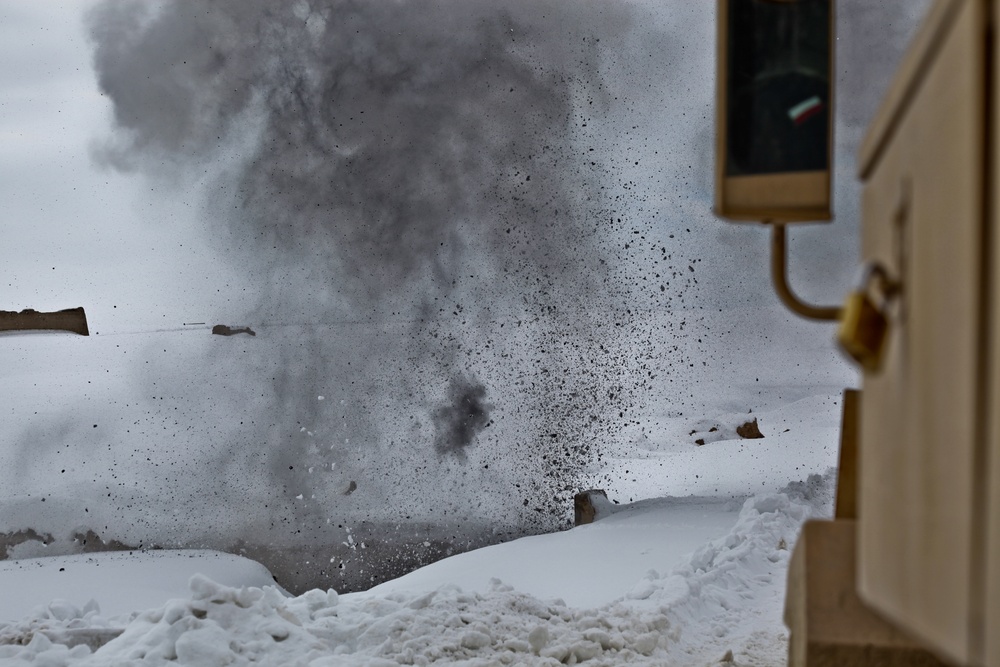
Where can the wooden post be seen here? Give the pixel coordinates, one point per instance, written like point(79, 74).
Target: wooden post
point(73, 320)
point(847, 478)
point(829, 624)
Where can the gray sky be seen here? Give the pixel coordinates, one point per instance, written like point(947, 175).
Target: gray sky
point(135, 251)
point(130, 249)
point(75, 234)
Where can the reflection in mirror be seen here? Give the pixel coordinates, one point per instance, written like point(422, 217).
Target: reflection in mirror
point(778, 87)
point(774, 100)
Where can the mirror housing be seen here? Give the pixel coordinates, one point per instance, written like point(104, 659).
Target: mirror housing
point(774, 110)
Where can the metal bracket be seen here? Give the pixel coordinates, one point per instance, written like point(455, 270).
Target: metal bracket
point(779, 275)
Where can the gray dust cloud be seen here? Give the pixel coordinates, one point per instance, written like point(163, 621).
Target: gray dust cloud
point(482, 239)
point(462, 418)
point(414, 188)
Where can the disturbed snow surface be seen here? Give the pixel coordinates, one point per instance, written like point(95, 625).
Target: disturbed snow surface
point(727, 595)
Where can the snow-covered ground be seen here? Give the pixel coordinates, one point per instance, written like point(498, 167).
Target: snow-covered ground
point(635, 364)
point(661, 581)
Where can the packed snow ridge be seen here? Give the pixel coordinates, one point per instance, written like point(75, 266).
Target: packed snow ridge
point(725, 596)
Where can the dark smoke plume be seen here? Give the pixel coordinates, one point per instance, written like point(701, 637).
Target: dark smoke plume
point(380, 129)
point(415, 186)
point(462, 418)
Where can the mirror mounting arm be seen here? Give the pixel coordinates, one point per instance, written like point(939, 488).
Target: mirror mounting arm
point(779, 275)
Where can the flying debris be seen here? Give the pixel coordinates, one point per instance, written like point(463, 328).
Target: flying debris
point(223, 330)
point(462, 418)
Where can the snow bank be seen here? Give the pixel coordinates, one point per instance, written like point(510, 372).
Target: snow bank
point(587, 566)
point(118, 582)
point(726, 596)
point(730, 595)
point(222, 625)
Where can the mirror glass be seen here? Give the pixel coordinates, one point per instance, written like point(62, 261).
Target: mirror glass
point(778, 90)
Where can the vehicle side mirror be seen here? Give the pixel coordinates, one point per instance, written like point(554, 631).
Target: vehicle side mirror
point(774, 110)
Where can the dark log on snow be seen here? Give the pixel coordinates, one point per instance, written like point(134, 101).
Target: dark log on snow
point(223, 330)
point(72, 319)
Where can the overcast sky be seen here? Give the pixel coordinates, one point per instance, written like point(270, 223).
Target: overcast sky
point(73, 233)
point(181, 415)
point(131, 251)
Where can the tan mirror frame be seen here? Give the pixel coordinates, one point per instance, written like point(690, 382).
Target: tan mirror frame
point(779, 197)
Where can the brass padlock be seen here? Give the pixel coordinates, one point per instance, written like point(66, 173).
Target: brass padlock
point(864, 326)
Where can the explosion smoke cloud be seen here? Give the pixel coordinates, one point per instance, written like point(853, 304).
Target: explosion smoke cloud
point(417, 171)
point(383, 128)
point(398, 249)
point(458, 422)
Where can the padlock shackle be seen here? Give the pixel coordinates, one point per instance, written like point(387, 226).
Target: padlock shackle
point(874, 273)
point(779, 275)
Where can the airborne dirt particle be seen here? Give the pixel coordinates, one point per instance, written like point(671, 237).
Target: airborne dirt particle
point(462, 418)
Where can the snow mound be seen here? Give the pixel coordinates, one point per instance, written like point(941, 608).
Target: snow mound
point(730, 595)
point(726, 597)
point(222, 625)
